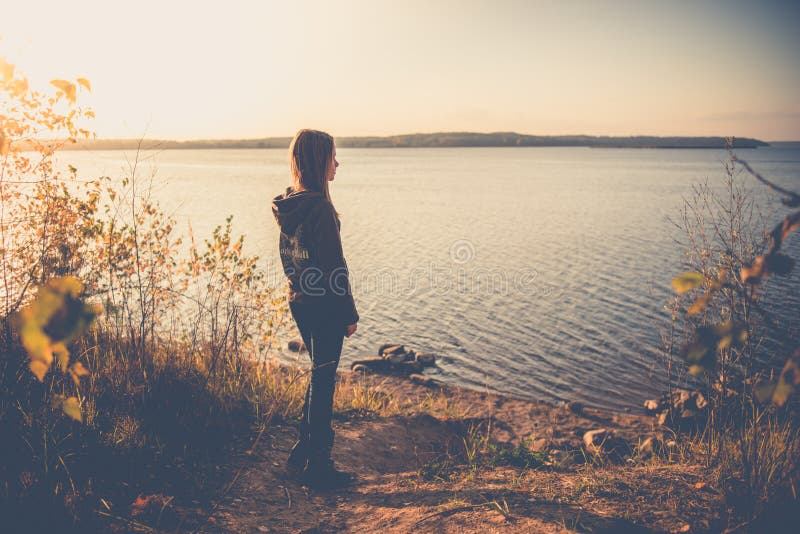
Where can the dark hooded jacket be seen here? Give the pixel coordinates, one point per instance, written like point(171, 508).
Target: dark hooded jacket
point(312, 257)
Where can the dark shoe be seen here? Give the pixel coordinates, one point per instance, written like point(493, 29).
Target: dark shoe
point(298, 457)
point(324, 475)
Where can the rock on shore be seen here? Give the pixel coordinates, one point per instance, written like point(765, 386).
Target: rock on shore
point(678, 409)
point(396, 359)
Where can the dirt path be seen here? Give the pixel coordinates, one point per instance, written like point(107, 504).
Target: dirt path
point(404, 486)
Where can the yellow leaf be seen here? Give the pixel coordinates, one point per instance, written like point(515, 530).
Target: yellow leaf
point(36, 343)
point(67, 285)
point(55, 312)
point(85, 83)
point(66, 87)
point(765, 391)
point(696, 369)
point(788, 380)
point(5, 144)
point(722, 277)
point(742, 335)
point(687, 281)
point(754, 273)
point(6, 70)
point(789, 225)
point(19, 87)
point(61, 355)
point(72, 408)
point(39, 369)
point(77, 370)
point(700, 304)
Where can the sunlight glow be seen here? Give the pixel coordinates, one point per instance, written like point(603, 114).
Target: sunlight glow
point(253, 69)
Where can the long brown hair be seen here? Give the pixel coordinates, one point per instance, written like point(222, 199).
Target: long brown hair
point(310, 155)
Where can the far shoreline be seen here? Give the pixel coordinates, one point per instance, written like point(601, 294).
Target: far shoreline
point(436, 140)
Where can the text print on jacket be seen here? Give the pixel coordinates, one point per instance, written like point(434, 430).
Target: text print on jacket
point(311, 254)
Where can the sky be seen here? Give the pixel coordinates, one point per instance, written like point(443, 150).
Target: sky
point(249, 69)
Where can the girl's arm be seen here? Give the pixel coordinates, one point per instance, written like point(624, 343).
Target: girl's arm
point(330, 260)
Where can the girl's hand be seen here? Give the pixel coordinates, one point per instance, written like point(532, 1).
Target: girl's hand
point(351, 329)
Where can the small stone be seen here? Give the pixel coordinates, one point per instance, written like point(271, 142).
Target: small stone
point(392, 349)
point(297, 345)
point(594, 439)
point(649, 447)
point(679, 399)
point(426, 358)
point(395, 358)
point(574, 407)
point(374, 364)
point(361, 368)
point(410, 367)
point(385, 346)
point(539, 445)
point(651, 406)
point(700, 401)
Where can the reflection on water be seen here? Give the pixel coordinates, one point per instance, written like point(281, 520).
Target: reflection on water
point(540, 272)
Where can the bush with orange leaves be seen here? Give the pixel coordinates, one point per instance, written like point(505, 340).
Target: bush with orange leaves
point(108, 323)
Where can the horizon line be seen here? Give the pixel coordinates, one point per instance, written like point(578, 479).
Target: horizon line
point(439, 132)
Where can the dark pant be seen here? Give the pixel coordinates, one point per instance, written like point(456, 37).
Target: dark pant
point(324, 343)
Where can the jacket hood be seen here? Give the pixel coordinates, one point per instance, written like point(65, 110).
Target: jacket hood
point(292, 207)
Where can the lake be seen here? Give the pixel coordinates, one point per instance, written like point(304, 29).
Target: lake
point(539, 272)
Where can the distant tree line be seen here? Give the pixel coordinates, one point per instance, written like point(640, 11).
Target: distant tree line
point(442, 139)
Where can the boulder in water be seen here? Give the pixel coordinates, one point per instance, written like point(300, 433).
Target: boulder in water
point(360, 368)
point(390, 349)
point(426, 358)
point(409, 367)
point(373, 364)
point(396, 358)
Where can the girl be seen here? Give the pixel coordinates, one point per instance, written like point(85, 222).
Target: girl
point(320, 298)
